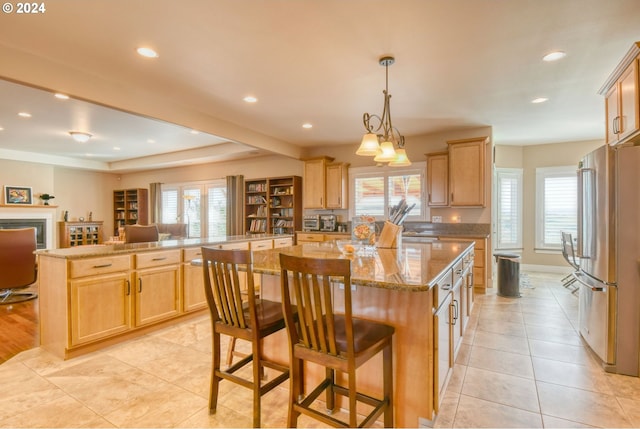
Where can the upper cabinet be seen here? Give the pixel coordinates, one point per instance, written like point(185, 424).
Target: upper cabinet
point(622, 105)
point(467, 172)
point(337, 185)
point(325, 184)
point(438, 179)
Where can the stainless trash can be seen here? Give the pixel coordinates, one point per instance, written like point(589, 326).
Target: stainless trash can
point(508, 274)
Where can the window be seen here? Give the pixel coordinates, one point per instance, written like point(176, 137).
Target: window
point(193, 202)
point(556, 205)
point(378, 188)
point(508, 208)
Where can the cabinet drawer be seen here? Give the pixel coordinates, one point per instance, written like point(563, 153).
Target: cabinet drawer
point(96, 266)
point(282, 242)
point(458, 270)
point(310, 237)
point(261, 244)
point(155, 259)
point(191, 253)
point(442, 287)
point(239, 245)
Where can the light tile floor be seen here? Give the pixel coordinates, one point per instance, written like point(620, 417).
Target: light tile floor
point(521, 364)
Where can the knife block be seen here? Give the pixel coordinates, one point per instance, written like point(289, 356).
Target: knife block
point(391, 236)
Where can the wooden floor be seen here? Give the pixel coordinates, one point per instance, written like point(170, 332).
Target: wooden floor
point(19, 328)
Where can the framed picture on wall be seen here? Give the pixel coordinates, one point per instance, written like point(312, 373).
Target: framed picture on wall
point(17, 195)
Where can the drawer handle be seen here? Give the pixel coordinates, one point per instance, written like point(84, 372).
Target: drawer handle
point(159, 259)
point(103, 265)
point(128, 288)
point(446, 287)
point(458, 272)
point(139, 285)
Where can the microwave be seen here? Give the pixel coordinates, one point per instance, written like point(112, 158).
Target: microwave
point(311, 223)
point(328, 222)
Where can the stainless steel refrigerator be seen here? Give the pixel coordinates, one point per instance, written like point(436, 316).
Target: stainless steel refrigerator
point(608, 248)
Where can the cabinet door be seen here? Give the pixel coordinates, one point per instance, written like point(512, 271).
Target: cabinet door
point(466, 173)
point(193, 288)
point(457, 307)
point(438, 179)
point(443, 332)
point(470, 295)
point(628, 122)
point(612, 107)
point(337, 186)
point(157, 294)
point(100, 307)
point(314, 184)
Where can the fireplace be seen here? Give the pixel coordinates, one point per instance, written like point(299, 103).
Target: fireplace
point(39, 217)
point(39, 224)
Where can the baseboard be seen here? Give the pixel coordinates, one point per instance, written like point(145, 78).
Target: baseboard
point(546, 268)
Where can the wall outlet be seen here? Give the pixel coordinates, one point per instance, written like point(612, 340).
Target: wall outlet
point(436, 219)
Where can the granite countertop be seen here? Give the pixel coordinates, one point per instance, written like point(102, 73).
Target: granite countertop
point(412, 267)
point(123, 248)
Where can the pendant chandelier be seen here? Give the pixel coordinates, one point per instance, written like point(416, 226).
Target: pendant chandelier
point(382, 140)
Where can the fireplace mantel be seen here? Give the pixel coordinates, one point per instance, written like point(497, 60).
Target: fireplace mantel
point(31, 211)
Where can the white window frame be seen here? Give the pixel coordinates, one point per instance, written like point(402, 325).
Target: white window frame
point(385, 172)
point(543, 173)
point(515, 209)
point(203, 187)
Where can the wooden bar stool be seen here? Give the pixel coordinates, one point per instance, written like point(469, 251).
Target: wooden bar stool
point(250, 319)
point(339, 342)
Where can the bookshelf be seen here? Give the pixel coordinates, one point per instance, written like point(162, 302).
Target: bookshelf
point(130, 207)
point(273, 205)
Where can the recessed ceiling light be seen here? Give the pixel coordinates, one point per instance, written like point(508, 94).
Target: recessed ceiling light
point(61, 96)
point(539, 100)
point(147, 52)
point(554, 56)
point(307, 126)
point(194, 132)
point(24, 115)
point(1, 129)
point(151, 141)
point(250, 99)
point(116, 148)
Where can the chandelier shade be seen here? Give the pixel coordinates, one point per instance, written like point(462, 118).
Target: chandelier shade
point(386, 154)
point(369, 145)
point(380, 128)
point(79, 136)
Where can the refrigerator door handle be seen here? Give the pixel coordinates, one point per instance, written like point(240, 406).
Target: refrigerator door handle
point(599, 287)
point(586, 207)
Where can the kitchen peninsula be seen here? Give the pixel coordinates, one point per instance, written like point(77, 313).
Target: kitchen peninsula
point(94, 296)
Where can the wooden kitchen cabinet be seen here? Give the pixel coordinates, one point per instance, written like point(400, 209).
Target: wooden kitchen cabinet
point(314, 195)
point(622, 100)
point(467, 172)
point(71, 234)
point(337, 186)
point(157, 286)
point(326, 184)
point(100, 298)
point(193, 296)
point(479, 259)
point(438, 179)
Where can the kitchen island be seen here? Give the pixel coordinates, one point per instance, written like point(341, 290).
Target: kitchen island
point(424, 290)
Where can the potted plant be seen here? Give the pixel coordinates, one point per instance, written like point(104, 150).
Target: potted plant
point(46, 198)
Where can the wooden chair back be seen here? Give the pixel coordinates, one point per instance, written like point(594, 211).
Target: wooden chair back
point(224, 286)
point(309, 282)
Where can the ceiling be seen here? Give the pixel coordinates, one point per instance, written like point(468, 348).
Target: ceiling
point(459, 63)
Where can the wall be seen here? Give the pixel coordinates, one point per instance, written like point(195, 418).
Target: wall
point(529, 158)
